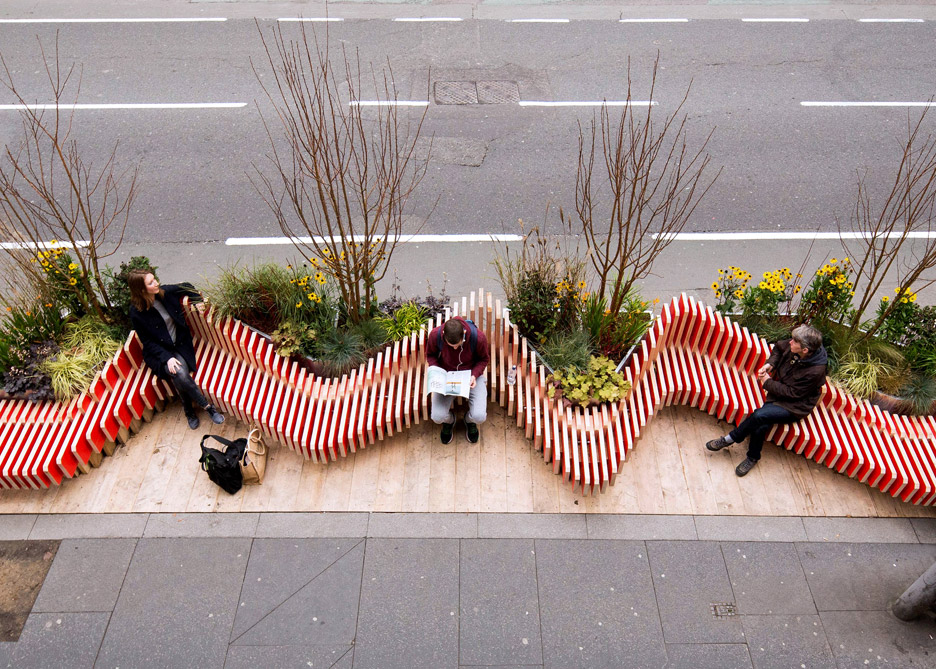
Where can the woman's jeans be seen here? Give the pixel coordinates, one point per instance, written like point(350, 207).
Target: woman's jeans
point(185, 386)
point(758, 424)
point(441, 411)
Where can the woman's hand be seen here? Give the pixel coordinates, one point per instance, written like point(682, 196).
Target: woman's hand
point(173, 366)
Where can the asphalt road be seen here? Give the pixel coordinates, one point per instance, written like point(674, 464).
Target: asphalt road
point(787, 167)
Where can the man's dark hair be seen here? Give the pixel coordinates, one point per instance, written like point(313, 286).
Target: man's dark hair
point(808, 337)
point(453, 332)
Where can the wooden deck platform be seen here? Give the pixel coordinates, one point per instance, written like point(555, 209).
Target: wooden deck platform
point(669, 472)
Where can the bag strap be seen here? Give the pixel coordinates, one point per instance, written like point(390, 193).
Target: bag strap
point(226, 442)
point(259, 440)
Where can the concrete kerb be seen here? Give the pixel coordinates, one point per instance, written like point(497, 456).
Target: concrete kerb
point(624, 527)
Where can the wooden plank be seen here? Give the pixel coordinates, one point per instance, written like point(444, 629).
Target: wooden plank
point(442, 477)
point(673, 484)
point(390, 475)
point(283, 475)
point(644, 459)
point(467, 473)
point(520, 459)
point(364, 478)
point(416, 473)
point(311, 486)
point(696, 463)
point(336, 492)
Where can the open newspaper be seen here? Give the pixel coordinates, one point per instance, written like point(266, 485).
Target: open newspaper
point(448, 383)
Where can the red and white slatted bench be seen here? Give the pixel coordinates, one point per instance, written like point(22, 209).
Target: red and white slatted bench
point(691, 356)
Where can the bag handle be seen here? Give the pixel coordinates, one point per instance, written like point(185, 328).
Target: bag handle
point(251, 440)
point(226, 442)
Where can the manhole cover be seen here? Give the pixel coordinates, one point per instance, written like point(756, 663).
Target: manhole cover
point(455, 93)
point(725, 610)
point(498, 92)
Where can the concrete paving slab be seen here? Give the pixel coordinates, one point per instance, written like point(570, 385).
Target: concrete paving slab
point(409, 604)
point(201, 525)
point(312, 525)
point(89, 526)
point(86, 575)
point(56, 640)
point(16, 526)
point(925, 529)
point(767, 578)
point(690, 578)
point(845, 577)
point(640, 527)
point(177, 603)
point(324, 609)
point(708, 656)
point(750, 528)
point(499, 615)
point(531, 526)
point(251, 657)
point(871, 530)
point(781, 642)
point(423, 525)
point(597, 604)
point(24, 566)
point(877, 639)
point(278, 569)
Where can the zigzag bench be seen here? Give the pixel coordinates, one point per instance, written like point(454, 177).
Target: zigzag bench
point(691, 356)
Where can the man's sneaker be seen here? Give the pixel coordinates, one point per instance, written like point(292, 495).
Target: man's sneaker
point(472, 432)
point(216, 416)
point(717, 444)
point(448, 431)
point(746, 465)
point(192, 419)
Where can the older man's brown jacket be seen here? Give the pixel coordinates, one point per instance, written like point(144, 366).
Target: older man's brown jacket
point(795, 384)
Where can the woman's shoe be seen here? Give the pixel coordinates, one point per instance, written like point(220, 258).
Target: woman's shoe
point(192, 419)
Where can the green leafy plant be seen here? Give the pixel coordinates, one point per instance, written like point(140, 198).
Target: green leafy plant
point(897, 319)
point(919, 394)
point(862, 375)
point(594, 385)
point(27, 380)
point(292, 338)
point(23, 326)
point(340, 351)
point(627, 326)
point(406, 319)
point(567, 350)
point(372, 333)
point(86, 345)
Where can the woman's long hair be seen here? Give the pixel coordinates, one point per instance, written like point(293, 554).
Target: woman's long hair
point(139, 296)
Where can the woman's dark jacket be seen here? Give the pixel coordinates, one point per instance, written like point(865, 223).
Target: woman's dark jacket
point(795, 384)
point(153, 333)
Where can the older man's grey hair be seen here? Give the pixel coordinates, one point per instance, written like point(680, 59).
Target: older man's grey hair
point(808, 337)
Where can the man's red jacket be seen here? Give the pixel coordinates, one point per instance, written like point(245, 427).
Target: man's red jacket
point(453, 360)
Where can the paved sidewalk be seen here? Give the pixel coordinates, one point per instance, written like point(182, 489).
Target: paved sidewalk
point(471, 590)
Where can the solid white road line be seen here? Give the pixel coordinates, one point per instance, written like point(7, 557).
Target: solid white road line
point(147, 20)
point(309, 19)
point(407, 239)
point(775, 20)
point(427, 19)
point(587, 103)
point(833, 103)
point(41, 245)
point(890, 20)
point(142, 105)
point(768, 236)
point(653, 20)
point(538, 21)
point(389, 103)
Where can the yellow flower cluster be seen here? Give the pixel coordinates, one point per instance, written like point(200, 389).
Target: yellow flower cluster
point(732, 281)
point(837, 274)
point(907, 296)
point(565, 287)
point(49, 261)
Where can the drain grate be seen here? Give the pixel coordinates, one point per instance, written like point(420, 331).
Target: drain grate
point(498, 92)
point(455, 93)
point(476, 92)
point(723, 611)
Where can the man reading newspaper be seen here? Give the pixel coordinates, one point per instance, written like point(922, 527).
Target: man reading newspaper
point(458, 345)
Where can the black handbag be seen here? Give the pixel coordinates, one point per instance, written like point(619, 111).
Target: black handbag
point(223, 467)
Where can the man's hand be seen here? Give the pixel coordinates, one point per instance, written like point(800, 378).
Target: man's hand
point(473, 379)
point(763, 373)
point(173, 365)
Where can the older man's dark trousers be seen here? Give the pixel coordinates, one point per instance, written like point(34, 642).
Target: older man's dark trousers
point(758, 424)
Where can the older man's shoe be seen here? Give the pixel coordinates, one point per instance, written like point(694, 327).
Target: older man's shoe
point(746, 465)
point(448, 432)
point(717, 444)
